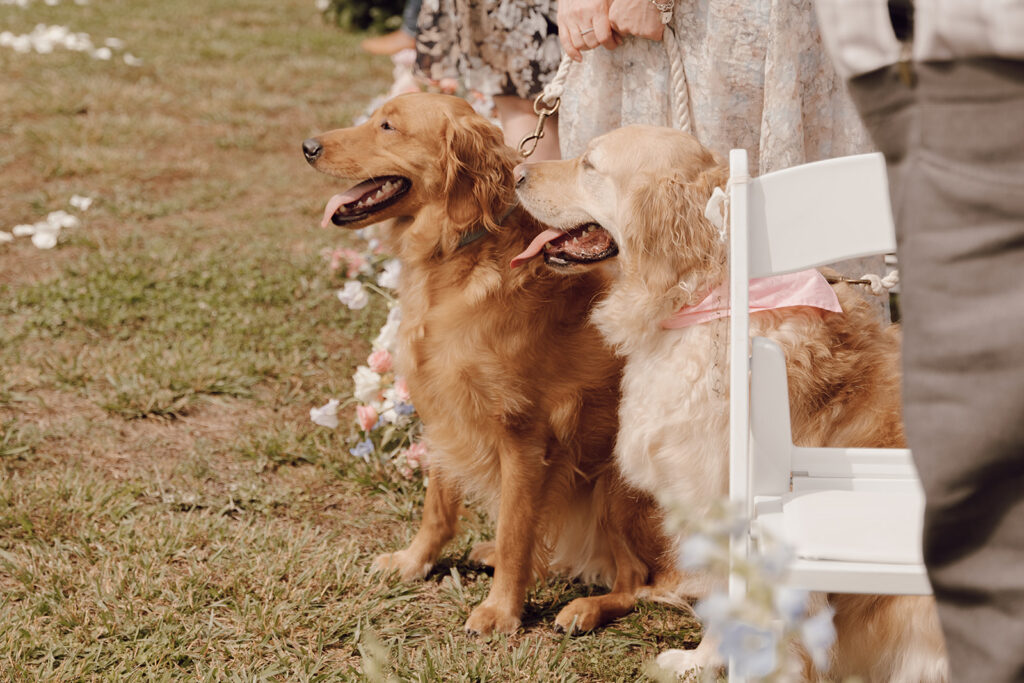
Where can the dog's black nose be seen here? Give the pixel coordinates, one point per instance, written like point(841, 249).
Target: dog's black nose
point(312, 149)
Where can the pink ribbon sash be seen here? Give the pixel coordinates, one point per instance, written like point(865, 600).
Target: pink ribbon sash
point(803, 288)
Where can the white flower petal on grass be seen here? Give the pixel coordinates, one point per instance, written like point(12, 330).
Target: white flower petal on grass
point(353, 295)
point(62, 219)
point(6, 236)
point(23, 230)
point(103, 53)
point(367, 384)
point(79, 202)
point(132, 60)
point(114, 43)
point(326, 415)
point(45, 239)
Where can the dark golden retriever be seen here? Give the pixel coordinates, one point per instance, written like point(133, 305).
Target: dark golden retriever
point(517, 392)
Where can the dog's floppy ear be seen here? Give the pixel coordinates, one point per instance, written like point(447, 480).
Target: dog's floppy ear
point(677, 245)
point(478, 173)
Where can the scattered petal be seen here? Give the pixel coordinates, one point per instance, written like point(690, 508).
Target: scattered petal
point(6, 236)
point(45, 239)
point(23, 230)
point(79, 202)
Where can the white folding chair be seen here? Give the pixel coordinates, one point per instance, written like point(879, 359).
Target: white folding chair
point(851, 515)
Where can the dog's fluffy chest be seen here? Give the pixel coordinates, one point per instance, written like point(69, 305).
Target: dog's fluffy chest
point(673, 434)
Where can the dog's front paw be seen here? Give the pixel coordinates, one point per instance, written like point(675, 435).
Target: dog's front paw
point(485, 553)
point(409, 568)
point(689, 663)
point(486, 619)
point(579, 615)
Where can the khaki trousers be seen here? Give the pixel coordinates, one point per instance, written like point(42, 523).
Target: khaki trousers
point(955, 146)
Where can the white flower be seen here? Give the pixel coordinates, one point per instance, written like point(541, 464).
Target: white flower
point(103, 53)
point(389, 277)
point(322, 5)
point(353, 295)
point(132, 60)
point(61, 219)
point(6, 236)
point(367, 384)
point(326, 415)
point(114, 43)
point(23, 230)
point(389, 332)
point(79, 202)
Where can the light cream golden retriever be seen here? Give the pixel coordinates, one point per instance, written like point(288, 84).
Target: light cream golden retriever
point(638, 194)
point(517, 392)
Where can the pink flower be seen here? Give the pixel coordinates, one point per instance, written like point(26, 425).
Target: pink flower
point(402, 390)
point(448, 85)
point(366, 416)
point(380, 361)
point(416, 455)
point(354, 261)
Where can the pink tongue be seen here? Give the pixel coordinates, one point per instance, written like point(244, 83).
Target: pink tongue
point(535, 246)
point(336, 202)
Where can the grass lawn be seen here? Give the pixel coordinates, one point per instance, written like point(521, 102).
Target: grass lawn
point(167, 509)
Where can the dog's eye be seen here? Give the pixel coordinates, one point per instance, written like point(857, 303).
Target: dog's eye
point(385, 125)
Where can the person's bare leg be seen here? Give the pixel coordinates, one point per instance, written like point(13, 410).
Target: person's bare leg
point(518, 121)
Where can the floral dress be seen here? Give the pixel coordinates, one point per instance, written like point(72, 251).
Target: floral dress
point(496, 48)
point(758, 78)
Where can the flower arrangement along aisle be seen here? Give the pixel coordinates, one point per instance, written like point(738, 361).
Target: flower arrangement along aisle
point(386, 425)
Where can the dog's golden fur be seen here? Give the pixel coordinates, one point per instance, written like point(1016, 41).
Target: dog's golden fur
point(517, 392)
point(648, 187)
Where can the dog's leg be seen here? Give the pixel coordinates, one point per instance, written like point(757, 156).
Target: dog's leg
point(522, 495)
point(440, 515)
point(585, 614)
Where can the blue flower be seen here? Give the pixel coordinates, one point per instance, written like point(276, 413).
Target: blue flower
point(405, 409)
point(790, 603)
point(818, 633)
point(753, 650)
point(363, 450)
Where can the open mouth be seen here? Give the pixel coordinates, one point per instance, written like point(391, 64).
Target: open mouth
point(365, 199)
point(588, 243)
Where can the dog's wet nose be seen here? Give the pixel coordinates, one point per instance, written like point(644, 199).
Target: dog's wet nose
point(519, 173)
point(312, 149)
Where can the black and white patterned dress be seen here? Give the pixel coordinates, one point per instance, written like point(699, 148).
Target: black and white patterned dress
point(508, 47)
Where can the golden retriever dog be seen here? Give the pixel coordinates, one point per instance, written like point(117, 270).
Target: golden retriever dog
point(517, 391)
point(633, 206)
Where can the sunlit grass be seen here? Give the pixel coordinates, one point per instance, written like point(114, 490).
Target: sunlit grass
point(167, 509)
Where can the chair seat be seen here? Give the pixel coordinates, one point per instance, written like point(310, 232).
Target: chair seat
point(847, 526)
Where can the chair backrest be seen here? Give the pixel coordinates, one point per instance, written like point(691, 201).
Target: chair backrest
point(786, 221)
